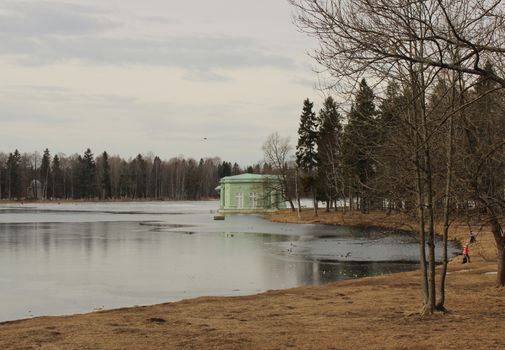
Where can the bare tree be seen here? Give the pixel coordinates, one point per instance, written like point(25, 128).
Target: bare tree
point(364, 34)
point(415, 42)
point(277, 152)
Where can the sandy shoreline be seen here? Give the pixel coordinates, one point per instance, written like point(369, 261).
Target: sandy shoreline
point(369, 313)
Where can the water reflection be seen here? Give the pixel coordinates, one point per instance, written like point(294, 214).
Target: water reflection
point(60, 262)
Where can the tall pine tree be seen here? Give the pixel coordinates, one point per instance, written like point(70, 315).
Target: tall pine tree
point(14, 189)
point(57, 179)
point(45, 169)
point(329, 178)
point(360, 138)
point(88, 179)
point(106, 180)
point(394, 136)
point(306, 149)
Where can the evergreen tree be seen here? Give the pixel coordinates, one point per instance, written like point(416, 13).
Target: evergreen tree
point(125, 182)
point(267, 169)
point(156, 174)
point(45, 168)
point(236, 169)
point(88, 179)
point(328, 147)
point(360, 138)
point(192, 183)
point(224, 169)
point(83, 176)
point(306, 152)
point(140, 176)
point(201, 180)
point(14, 189)
point(393, 138)
point(106, 180)
point(76, 177)
point(57, 177)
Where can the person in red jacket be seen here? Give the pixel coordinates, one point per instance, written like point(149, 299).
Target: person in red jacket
point(466, 257)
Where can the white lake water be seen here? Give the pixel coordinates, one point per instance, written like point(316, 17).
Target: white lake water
point(73, 258)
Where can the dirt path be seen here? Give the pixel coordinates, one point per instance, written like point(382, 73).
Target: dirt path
point(369, 313)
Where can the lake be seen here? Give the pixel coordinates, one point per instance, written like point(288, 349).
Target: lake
point(75, 258)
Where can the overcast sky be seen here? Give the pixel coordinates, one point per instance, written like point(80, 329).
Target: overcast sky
point(130, 76)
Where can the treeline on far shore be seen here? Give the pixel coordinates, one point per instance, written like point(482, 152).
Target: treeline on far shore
point(44, 176)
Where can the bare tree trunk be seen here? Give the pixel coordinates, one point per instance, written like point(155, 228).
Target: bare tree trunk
point(500, 279)
point(53, 183)
point(314, 198)
point(297, 194)
point(9, 188)
point(443, 273)
point(286, 192)
point(447, 202)
point(431, 220)
point(422, 237)
point(35, 190)
point(419, 85)
point(497, 231)
point(350, 197)
point(72, 184)
point(45, 184)
point(420, 197)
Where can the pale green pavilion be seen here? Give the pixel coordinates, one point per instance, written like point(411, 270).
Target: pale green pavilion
point(250, 193)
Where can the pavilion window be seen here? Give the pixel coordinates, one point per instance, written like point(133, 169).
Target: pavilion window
point(239, 199)
point(253, 198)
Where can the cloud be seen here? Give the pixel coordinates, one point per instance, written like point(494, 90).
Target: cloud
point(207, 76)
point(35, 19)
point(311, 83)
point(38, 33)
point(156, 19)
point(198, 54)
point(111, 122)
point(127, 79)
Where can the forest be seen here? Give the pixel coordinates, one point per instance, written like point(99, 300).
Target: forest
point(422, 85)
point(35, 176)
point(365, 158)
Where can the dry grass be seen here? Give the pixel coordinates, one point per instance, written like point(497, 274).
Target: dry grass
point(369, 313)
